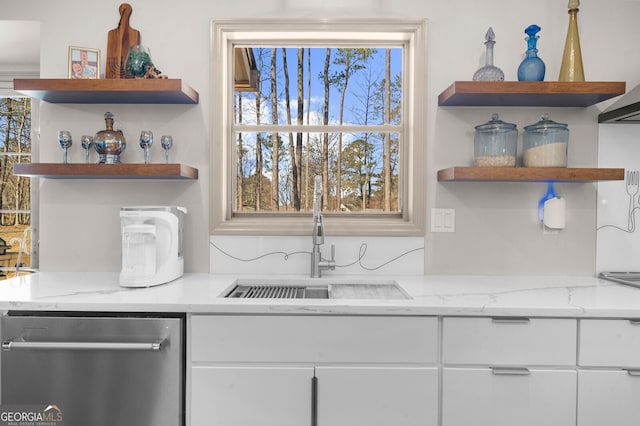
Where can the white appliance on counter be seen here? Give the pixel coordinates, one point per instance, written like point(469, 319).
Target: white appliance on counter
point(151, 245)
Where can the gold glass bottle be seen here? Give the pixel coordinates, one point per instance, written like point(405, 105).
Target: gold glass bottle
point(571, 68)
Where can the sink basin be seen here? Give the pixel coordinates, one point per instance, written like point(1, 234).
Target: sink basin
point(314, 289)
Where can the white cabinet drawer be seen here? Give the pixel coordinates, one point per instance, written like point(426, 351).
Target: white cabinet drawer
point(479, 397)
point(509, 341)
point(295, 338)
point(608, 397)
point(609, 343)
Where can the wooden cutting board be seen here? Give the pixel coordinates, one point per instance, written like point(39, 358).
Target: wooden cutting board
point(118, 42)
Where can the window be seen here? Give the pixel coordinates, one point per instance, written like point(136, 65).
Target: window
point(15, 191)
point(274, 128)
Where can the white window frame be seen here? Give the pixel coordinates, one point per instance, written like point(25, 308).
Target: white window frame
point(34, 189)
point(225, 35)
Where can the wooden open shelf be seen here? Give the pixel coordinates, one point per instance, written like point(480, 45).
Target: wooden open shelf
point(106, 171)
point(528, 174)
point(529, 93)
point(116, 91)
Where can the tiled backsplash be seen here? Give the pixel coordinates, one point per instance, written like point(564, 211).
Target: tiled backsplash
point(291, 255)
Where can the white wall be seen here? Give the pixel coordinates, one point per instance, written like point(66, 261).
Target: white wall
point(618, 242)
point(496, 227)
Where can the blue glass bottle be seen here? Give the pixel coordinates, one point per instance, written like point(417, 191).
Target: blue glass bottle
point(532, 68)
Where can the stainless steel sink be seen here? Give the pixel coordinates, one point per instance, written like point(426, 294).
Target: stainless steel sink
point(278, 291)
point(312, 289)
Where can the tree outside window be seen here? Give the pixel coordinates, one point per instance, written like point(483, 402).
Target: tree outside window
point(320, 87)
point(15, 191)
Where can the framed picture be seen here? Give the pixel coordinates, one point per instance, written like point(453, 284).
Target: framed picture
point(84, 62)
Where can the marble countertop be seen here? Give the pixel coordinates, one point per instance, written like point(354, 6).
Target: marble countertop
point(548, 296)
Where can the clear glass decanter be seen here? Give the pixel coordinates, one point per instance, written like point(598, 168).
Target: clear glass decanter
point(489, 72)
point(532, 68)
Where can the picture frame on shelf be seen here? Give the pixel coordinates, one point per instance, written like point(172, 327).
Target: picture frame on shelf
point(84, 63)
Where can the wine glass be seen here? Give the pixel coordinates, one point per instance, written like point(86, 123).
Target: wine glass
point(146, 140)
point(64, 139)
point(87, 142)
point(167, 142)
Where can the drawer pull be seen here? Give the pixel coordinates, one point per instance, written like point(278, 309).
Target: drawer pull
point(634, 373)
point(634, 321)
point(510, 371)
point(510, 320)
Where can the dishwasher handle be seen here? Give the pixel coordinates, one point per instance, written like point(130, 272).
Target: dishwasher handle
point(16, 345)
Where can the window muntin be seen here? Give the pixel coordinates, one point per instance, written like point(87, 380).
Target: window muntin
point(233, 211)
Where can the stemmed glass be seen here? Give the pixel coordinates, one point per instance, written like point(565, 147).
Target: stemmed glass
point(64, 139)
point(167, 142)
point(146, 140)
point(87, 142)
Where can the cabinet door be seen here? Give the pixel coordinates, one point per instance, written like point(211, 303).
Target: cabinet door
point(251, 396)
point(608, 398)
point(486, 397)
point(377, 396)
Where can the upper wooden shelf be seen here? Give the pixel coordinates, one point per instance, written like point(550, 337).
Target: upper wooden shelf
point(528, 174)
point(529, 93)
point(106, 171)
point(108, 91)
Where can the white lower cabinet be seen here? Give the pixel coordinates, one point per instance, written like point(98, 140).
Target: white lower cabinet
point(508, 397)
point(609, 372)
point(300, 370)
point(332, 370)
point(259, 396)
point(609, 343)
point(509, 371)
point(517, 341)
point(608, 397)
point(285, 396)
point(373, 396)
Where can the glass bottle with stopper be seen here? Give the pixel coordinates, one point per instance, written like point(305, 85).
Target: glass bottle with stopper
point(571, 68)
point(532, 68)
point(109, 143)
point(489, 72)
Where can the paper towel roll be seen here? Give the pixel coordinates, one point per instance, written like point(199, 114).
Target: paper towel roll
point(554, 213)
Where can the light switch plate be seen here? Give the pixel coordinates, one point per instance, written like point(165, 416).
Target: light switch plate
point(443, 220)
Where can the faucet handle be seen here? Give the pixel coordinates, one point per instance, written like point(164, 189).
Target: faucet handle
point(332, 262)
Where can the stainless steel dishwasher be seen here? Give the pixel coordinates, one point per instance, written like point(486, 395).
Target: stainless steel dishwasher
point(99, 370)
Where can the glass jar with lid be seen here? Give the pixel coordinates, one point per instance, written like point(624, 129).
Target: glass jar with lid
point(545, 144)
point(495, 143)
